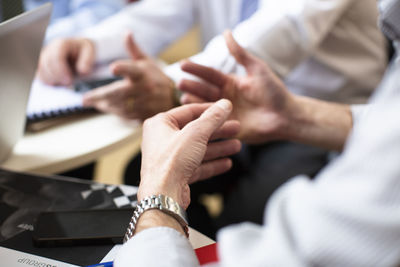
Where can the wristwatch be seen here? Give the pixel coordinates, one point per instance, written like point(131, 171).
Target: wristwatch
point(160, 202)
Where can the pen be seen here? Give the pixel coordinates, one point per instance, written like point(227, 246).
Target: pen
point(104, 264)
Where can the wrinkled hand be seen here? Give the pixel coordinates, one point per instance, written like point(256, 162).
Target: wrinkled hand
point(62, 59)
point(260, 100)
point(144, 91)
point(176, 148)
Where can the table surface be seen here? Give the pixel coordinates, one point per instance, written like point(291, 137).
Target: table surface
point(72, 144)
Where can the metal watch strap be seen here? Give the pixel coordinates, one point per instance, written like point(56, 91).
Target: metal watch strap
point(160, 202)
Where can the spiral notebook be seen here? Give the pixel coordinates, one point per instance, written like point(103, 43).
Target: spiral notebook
point(47, 102)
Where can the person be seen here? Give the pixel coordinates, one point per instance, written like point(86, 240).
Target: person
point(310, 43)
point(345, 217)
point(69, 17)
point(295, 39)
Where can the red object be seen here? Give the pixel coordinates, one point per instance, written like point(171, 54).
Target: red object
point(207, 254)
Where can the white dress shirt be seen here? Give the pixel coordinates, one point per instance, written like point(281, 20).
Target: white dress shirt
point(71, 16)
point(334, 43)
point(348, 216)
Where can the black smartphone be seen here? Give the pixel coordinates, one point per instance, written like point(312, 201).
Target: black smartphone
point(82, 227)
point(87, 85)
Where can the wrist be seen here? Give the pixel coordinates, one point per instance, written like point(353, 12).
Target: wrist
point(297, 119)
point(162, 203)
point(157, 218)
point(319, 123)
point(164, 188)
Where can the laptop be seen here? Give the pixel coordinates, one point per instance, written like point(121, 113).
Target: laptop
point(21, 40)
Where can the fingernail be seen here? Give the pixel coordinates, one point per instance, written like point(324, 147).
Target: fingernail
point(224, 104)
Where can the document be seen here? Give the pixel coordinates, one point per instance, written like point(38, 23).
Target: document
point(14, 258)
point(49, 101)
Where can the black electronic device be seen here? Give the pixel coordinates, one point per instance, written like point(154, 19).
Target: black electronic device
point(87, 85)
point(82, 227)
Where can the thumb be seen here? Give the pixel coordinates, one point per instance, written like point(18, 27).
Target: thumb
point(133, 49)
point(86, 57)
point(242, 56)
point(212, 119)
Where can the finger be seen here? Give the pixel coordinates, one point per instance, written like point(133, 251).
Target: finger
point(54, 64)
point(202, 90)
point(114, 92)
point(222, 149)
point(133, 49)
point(210, 169)
point(242, 56)
point(190, 99)
point(211, 120)
point(228, 130)
point(208, 74)
point(184, 114)
point(128, 69)
point(44, 72)
point(86, 57)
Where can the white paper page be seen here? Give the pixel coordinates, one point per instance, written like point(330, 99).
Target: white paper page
point(44, 98)
point(112, 254)
point(14, 258)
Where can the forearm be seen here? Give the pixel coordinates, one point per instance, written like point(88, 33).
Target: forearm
point(153, 28)
point(320, 123)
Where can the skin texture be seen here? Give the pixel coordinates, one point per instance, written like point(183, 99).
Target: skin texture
point(144, 91)
point(182, 146)
point(265, 108)
point(62, 60)
point(176, 149)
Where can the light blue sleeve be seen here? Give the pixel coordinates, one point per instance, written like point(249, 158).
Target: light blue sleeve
point(79, 15)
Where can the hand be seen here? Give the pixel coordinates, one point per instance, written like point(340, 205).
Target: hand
point(62, 59)
point(176, 149)
point(144, 91)
point(260, 100)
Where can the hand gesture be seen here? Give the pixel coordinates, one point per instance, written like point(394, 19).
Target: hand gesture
point(184, 145)
point(260, 100)
point(144, 91)
point(62, 59)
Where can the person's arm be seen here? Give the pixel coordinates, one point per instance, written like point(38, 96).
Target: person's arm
point(320, 123)
point(82, 14)
point(265, 108)
point(282, 33)
point(346, 216)
point(154, 23)
point(176, 151)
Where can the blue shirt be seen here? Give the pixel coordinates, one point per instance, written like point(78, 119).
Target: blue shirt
point(71, 16)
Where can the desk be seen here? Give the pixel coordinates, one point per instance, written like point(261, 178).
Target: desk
point(71, 145)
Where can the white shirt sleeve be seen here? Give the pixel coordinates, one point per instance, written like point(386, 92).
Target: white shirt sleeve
point(347, 217)
point(357, 112)
point(154, 24)
point(82, 14)
point(283, 33)
point(159, 246)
